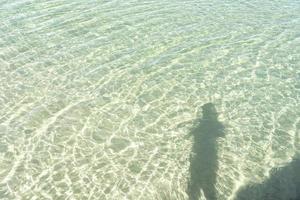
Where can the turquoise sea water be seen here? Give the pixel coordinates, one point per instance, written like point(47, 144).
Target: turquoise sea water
point(147, 100)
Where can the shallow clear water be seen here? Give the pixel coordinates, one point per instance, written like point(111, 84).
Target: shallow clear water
point(103, 99)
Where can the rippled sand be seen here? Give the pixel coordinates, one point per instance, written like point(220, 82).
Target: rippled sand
point(98, 98)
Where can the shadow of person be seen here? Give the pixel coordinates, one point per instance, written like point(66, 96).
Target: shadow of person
point(203, 159)
point(283, 184)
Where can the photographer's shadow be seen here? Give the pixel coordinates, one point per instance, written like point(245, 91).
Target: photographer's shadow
point(283, 184)
point(204, 159)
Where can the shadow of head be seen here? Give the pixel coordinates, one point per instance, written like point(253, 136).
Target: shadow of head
point(209, 112)
point(283, 184)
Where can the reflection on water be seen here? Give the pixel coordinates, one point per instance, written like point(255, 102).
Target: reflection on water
point(283, 184)
point(204, 160)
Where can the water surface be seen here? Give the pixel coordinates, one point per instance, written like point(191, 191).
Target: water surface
point(98, 99)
